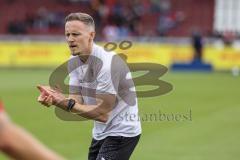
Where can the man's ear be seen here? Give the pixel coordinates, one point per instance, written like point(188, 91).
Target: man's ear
point(92, 35)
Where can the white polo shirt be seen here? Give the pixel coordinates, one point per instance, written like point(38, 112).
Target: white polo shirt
point(105, 73)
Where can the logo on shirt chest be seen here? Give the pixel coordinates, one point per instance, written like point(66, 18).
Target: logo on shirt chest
point(87, 84)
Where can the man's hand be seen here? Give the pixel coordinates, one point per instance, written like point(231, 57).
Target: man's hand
point(51, 96)
point(99, 112)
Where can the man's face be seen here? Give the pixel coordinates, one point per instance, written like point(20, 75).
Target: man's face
point(79, 37)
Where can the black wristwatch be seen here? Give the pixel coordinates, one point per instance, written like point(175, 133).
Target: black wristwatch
point(71, 103)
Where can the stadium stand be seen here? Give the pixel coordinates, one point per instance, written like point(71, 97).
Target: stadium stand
point(132, 18)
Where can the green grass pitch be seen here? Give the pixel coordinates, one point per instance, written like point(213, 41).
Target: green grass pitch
point(212, 133)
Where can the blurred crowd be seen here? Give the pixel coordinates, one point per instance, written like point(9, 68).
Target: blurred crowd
point(115, 19)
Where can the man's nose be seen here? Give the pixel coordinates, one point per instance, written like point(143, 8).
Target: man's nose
point(70, 38)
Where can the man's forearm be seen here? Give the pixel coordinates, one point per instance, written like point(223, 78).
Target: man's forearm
point(99, 112)
point(94, 112)
point(19, 144)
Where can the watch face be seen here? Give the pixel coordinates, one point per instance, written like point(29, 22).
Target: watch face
point(71, 103)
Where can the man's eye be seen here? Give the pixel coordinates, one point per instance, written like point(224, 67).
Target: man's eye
point(75, 34)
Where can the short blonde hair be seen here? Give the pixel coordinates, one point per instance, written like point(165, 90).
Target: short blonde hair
point(83, 17)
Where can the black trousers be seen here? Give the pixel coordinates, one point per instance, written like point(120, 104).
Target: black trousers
point(112, 148)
